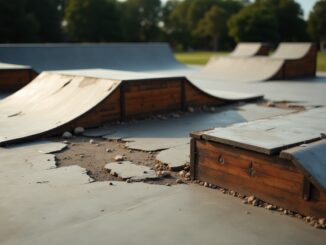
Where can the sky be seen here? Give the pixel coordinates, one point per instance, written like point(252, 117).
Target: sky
point(306, 5)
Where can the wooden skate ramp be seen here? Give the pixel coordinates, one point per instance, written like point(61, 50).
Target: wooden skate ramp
point(59, 101)
point(245, 50)
point(290, 60)
point(280, 160)
point(255, 69)
point(14, 77)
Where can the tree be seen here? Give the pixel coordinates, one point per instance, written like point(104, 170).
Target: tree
point(291, 25)
point(47, 14)
point(176, 26)
point(212, 25)
point(30, 21)
point(141, 20)
point(255, 23)
point(92, 20)
point(186, 16)
point(317, 22)
point(16, 24)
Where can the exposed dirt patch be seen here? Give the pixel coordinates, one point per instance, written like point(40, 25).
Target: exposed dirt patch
point(283, 105)
point(94, 156)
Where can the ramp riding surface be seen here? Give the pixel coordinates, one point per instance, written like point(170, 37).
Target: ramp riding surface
point(249, 49)
point(58, 101)
point(118, 56)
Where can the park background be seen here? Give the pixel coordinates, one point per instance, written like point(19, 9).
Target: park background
point(195, 29)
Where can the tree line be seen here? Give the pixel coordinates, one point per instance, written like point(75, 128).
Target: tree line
point(187, 24)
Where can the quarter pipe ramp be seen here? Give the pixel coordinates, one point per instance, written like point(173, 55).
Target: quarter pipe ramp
point(290, 60)
point(59, 101)
point(118, 56)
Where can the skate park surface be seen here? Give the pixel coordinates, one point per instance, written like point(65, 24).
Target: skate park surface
point(63, 205)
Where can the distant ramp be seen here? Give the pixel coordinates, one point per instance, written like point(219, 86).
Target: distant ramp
point(250, 49)
point(290, 60)
point(243, 50)
point(252, 69)
point(59, 101)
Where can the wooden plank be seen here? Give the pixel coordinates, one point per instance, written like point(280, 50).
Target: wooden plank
point(250, 168)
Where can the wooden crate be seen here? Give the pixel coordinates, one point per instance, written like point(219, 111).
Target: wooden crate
point(268, 177)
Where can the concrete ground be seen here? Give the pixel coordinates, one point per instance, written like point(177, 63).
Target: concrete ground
point(305, 91)
point(41, 203)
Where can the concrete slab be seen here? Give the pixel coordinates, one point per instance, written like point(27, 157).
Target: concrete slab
point(45, 146)
point(155, 135)
point(182, 126)
point(154, 144)
point(129, 170)
point(175, 157)
point(69, 210)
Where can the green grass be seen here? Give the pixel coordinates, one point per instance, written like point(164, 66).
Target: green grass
point(201, 58)
point(321, 62)
point(196, 58)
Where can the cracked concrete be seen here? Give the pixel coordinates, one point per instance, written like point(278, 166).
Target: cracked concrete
point(172, 135)
point(129, 170)
point(41, 204)
point(175, 157)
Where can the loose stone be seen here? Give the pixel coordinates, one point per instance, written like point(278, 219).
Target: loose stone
point(67, 135)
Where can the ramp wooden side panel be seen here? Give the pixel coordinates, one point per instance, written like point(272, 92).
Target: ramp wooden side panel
point(142, 98)
point(14, 79)
point(302, 67)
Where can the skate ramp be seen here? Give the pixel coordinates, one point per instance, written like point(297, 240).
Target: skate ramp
point(119, 56)
point(226, 69)
point(243, 50)
point(290, 60)
point(292, 51)
point(59, 101)
point(249, 50)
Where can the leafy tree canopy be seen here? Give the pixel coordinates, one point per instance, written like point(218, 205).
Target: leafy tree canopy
point(92, 20)
point(254, 23)
point(317, 21)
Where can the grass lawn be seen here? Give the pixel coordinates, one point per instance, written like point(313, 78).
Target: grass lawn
point(200, 58)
